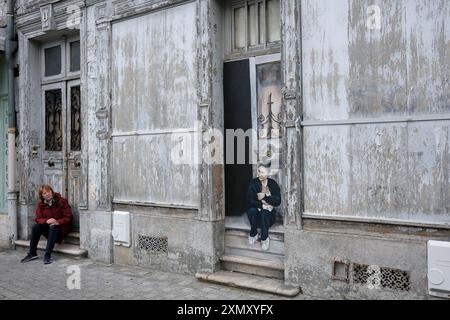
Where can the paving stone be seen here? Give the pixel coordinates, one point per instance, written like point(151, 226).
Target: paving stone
point(34, 280)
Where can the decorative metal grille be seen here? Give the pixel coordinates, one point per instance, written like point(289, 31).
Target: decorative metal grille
point(376, 277)
point(53, 120)
point(266, 123)
point(75, 119)
point(156, 245)
point(268, 85)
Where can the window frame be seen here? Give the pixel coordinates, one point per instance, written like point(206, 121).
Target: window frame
point(61, 75)
point(72, 74)
point(230, 31)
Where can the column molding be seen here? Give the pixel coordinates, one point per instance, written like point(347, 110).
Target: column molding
point(210, 108)
point(292, 103)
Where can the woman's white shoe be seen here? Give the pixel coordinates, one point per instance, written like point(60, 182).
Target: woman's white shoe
point(265, 244)
point(252, 240)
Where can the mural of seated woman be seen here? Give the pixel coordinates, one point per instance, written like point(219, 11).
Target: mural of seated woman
point(263, 196)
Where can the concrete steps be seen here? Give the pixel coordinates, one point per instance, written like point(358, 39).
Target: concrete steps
point(244, 264)
point(241, 257)
point(252, 282)
point(72, 238)
point(70, 246)
point(239, 239)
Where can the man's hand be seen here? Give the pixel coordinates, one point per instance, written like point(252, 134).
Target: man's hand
point(261, 195)
point(52, 221)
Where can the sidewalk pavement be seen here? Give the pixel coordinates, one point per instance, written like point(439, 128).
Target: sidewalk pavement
point(61, 279)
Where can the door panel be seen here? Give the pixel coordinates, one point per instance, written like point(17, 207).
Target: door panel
point(53, 174)
point(268, 100)
point(54, 105)
point(269, 117)
point(62, 142)
point(73, 132)
point(237, 107)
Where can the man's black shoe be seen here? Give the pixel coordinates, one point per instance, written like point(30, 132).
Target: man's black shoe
point(47, 260)
point(29, 257)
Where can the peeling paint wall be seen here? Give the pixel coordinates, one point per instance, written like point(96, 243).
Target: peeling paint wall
point(356, 81)
point(154, 92)
point(2, 24)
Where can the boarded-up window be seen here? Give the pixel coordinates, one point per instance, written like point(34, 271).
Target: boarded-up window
point(154, 106)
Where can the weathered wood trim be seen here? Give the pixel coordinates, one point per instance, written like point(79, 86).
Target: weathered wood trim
point(152, 132)
point(155, 204)
point(210, 109)
point(321, 216)
point(311, 123)
point(292, 157)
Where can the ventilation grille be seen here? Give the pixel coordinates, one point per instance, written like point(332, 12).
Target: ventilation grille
point(157, 245)
point(375, 277)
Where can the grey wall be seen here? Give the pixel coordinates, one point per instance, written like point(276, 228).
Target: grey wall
point(192, 245)
point(154, 94)
point(351, 73)
point(312, 251)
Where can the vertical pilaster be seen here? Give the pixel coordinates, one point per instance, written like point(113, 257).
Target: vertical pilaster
point(98, 58)
point(210, 110)
point(291, 89)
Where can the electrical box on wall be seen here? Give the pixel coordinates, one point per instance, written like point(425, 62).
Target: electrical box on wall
point(439, 268)
point(121, 228)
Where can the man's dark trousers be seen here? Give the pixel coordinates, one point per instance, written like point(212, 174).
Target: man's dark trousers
point(263, 219)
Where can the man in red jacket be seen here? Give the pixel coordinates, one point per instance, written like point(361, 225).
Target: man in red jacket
point(53, 220)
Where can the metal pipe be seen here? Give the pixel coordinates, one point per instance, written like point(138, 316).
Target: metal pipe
point(11, 48)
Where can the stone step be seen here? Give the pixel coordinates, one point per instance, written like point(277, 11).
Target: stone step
point(275, 232)
point(65, 248)
point(239, 239)
point(260, 267)
point(72, 238)
point(255, 254)
point(252, 282)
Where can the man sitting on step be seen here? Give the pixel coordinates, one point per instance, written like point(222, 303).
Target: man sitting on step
point(53, 220)
point(263, 196)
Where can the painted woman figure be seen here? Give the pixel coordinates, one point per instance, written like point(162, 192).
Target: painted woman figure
point(53, 221)
point(263, 196)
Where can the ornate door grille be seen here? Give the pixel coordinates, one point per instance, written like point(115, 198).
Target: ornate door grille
point(53, 120)
point(75, 119)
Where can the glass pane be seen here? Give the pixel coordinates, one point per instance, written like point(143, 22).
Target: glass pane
point(261, 22)
point(239, 28)
point(75, 56)
point(252, 25)
point(273, 20)
point(75, 119)
point(268, 86)
point(52, 61)
point(53, 120)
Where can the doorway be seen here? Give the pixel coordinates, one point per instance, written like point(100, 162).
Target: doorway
point(61, 118)
point(252, 103)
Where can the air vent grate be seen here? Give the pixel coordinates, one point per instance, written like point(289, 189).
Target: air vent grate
point(375, 277)
point(157, 245)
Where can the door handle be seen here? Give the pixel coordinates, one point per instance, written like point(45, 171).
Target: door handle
point(51, 162)
point(77, 164)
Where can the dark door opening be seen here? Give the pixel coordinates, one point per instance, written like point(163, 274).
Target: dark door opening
point(237, 115)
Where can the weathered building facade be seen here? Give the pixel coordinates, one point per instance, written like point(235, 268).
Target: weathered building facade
point(3, 129)
point(360, 90)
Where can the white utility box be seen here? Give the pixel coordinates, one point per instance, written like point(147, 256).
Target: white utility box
point(121, 228)
point(439, 268)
